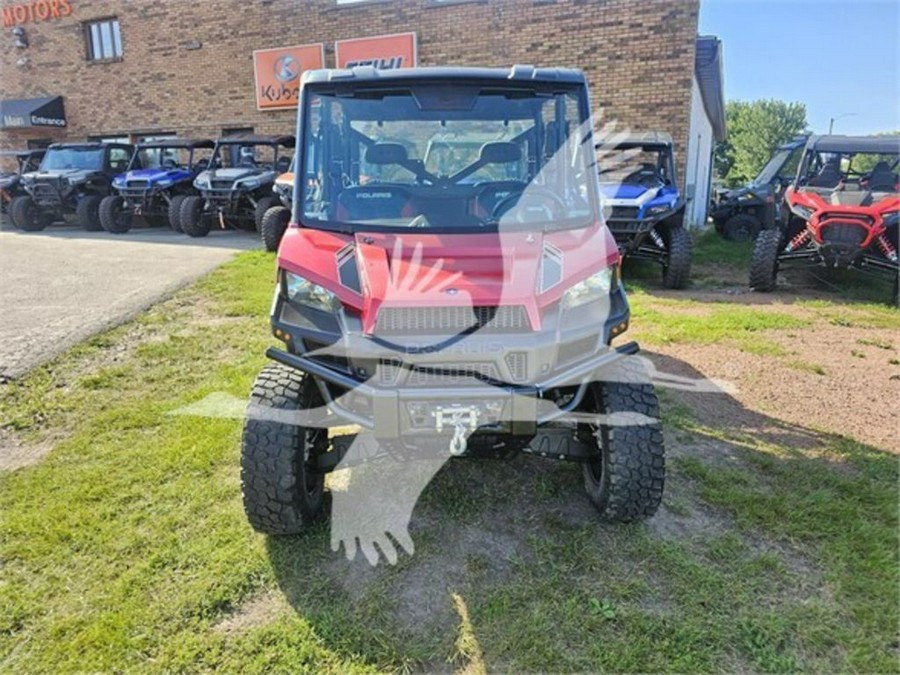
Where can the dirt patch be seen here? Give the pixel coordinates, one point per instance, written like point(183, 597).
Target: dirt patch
point(828, 380)
point(257, 611)
point(15, 453)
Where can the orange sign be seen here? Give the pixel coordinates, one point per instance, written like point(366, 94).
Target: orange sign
point(40, 10)
point(277, 73)
point(384, 51)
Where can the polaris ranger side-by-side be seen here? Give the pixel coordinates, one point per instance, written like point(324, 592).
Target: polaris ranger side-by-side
point(642, 205)
point(159, 177)
point(844, 211)
point(73, 179)
point(237, 188)
point(15, 163)
point(463, 306)
point(741, 214)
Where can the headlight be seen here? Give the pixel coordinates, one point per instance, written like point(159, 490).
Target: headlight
point(747, 196)
point(118, 182)
point(304, 292)
point(201, 182)
point(595, 287)
point(803, 211)
point(658, 210)
point(164, 183)
point(249, 184)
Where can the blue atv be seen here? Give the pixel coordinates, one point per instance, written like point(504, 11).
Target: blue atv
point(159, 177)
point(642, 206)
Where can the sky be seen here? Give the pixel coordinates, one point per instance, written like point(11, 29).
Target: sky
point(839, 57)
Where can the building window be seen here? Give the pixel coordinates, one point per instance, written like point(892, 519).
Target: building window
point(104, 40)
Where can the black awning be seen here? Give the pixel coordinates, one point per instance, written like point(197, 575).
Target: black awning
point(32, 112)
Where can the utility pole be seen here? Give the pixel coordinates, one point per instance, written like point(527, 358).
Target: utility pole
point(831, 122)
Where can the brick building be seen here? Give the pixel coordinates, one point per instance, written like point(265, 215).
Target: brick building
point(137, 69)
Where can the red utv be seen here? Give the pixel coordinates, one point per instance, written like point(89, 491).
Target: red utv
point(845, 207)
point(463, 305)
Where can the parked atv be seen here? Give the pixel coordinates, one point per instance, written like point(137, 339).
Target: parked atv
point(740, 215)
point(448, 309)
point(73, 179)
point(159, 177)
point(845, 207)
point(275, 220)
point(642, 206)
point(16, 163)
point(236, 190)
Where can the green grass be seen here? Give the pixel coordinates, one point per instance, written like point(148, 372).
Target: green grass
point(126, 547)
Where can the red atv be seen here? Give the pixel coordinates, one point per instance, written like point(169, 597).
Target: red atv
point(845, 207)
point(447, 286)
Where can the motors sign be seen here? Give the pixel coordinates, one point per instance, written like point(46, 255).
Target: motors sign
point(386, 52)
point(277, 73)
point(41, 10)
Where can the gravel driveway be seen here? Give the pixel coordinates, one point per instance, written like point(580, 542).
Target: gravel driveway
point(59, 286)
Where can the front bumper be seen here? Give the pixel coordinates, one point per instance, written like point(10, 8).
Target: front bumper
point(509, 377)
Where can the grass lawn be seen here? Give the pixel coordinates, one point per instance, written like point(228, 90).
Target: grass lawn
point(126, 548)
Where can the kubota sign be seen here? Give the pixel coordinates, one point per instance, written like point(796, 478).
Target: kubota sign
point(41, 10)
point(277, 73)
point(383, 51)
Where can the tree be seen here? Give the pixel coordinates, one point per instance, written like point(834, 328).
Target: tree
point(755, 130)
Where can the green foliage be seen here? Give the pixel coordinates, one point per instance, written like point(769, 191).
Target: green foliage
point(755, 130)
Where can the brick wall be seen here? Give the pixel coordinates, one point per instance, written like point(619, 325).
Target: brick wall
point(639, 57)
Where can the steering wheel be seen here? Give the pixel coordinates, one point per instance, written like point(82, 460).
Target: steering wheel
point(539, 198)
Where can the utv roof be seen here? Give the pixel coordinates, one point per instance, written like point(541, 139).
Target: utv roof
point(256, 139)
point(517, 73)
point(888, 145)
point(189, 143)
point(22, 154)
point(88, 145)
point(647, 139)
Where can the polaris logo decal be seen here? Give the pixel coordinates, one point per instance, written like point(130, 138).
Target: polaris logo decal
point(374, 195)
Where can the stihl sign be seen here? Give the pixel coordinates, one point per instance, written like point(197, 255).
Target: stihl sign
point(384, 51)
point(41, 10)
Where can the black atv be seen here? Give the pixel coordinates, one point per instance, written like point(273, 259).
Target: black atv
point(15, 164)
point(740, 214)
point(72, 180)
point(642, 205)
point(236, 191)
point(158, 179)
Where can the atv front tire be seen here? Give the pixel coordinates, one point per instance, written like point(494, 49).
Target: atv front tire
point(273, 226)
point(175, 212)
point(283, 493)
point(626, 480)
point(192, 220)
point(764, 263)
point(26, 215)
point(677, 270)
point(87, 213)
point(260, 209)
point(114, 217)
point(741, 227)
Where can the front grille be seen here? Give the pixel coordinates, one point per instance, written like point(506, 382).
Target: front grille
point(46, 192)
point(451, 320)
point(437, 374)
point(621, 213)
point(843, 234)
point(222, 184)
point(137, 184)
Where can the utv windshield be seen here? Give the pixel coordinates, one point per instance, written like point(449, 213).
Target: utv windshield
point(447, 158)
point(851, 171)
point(783, 164)
point(57, 159)
point(649, 167)
point(254, 156)
point(167, 157)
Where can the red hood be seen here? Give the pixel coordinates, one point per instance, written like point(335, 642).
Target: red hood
point(424, 270)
